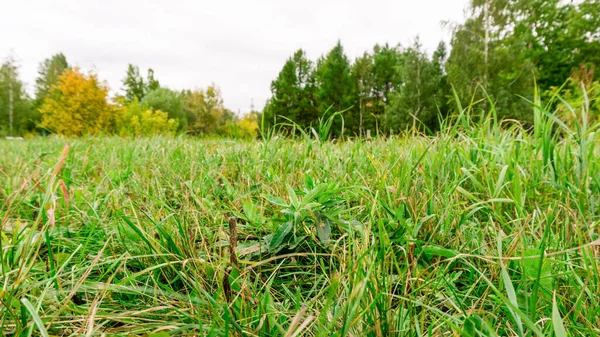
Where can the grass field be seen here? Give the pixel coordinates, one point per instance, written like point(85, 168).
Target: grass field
point(473, 232)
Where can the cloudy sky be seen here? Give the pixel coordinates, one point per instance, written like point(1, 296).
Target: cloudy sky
point(238, 45)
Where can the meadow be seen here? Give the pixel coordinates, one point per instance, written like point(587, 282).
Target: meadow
point(483, 229)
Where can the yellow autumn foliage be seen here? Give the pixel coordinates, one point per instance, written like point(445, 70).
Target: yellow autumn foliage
point(136, 120)
point(245, 127)
point(248, 125)
point(77, 105)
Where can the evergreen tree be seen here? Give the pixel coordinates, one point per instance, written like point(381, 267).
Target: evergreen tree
point(387, 62)
point(49, 72)
point(294, 93)
point(283, 98)
point(336, 89)
point(383, 79)
point(443, 96)
point(362, 76)
point(307, 111)
point(416, 103)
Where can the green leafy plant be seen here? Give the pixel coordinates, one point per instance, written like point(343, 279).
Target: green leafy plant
point(315, 209)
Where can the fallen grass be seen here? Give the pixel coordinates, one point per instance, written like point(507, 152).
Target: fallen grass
point(478, 231)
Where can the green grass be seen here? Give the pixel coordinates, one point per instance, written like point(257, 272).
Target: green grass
point(478, 231)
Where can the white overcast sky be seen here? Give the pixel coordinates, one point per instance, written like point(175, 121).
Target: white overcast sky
point(239, 45)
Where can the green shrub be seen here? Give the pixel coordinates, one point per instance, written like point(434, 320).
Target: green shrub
point(137, 120)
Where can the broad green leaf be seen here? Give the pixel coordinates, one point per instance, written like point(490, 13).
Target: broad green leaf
point(280, 235)
point(324, 230)
point(275, 201)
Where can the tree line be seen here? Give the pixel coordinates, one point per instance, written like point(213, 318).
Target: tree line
point(504, 50)
point(70, 102)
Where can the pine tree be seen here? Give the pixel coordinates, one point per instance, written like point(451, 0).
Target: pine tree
point(284, 96)
point(415, 105)
point(336, 90)
point(387, 62)
point(443, 95)
point(48, 74)
point(386, 80)
point(362, 76)
point(293, 93)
